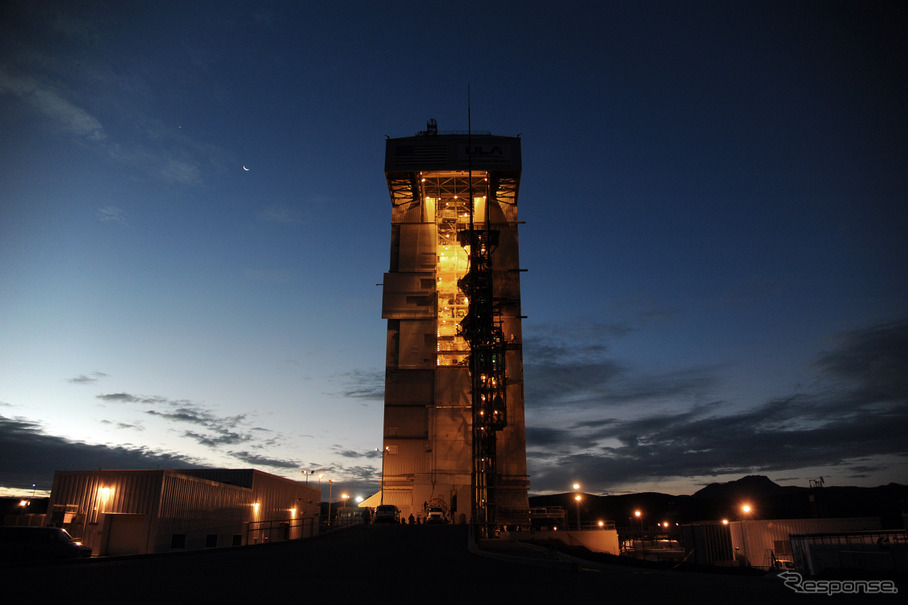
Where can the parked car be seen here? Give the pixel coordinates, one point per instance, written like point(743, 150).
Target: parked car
point(435, 515)
point(386, 513)
point(30, 543)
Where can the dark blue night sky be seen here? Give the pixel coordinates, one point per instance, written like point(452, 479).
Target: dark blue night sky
point(715, 238)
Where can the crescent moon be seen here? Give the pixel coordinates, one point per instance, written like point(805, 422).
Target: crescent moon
point(246, 169)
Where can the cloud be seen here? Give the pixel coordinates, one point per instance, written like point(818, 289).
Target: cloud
point(874, 360)
point(364, 384)
point(28, 455)
point(257, 460)
point(130, 398)
point(185, 172)
point(50, 102)
point(92, 378)
point(58, 81)
point(571, 368)
point(111, 214)
point(124, 425)
point(348, 453)
point(283, 215)
point(221, 437)
point(221, 430)
point(856, 413)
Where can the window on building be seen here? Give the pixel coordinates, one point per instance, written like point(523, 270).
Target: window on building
point(211, 541)
point(177, 541)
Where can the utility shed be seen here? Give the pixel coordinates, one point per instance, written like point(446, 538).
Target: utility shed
point(119, 512)
point(761, 543)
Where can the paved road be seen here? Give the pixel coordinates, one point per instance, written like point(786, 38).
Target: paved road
point(377, 565)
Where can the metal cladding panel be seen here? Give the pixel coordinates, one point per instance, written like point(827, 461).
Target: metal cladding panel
point(194, 503)
point(103, 491)
point(757, 538)
point(398, 497)
point(512, 451)
point(417, 344)
point(197, 507)
point(231, 476)
point(409, 387)
point(709, 542)
point(453, 152)
point(406, 457)
point(452, 438)
point(453, 386)
point(417, 248)
point(511, 327)
point(277, 496)
point(408, 296)
point(406, 421)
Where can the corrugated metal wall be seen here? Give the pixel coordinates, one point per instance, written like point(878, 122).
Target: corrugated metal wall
point(709, 542)
point(756, 539)
point(183, 509)
point(197, 508)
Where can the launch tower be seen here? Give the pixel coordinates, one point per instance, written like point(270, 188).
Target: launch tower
point(454, 432)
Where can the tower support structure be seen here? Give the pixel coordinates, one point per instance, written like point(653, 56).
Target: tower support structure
point(454, 431)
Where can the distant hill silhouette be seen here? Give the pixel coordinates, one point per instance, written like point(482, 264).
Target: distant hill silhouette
point(724, 500)
point(751, 485)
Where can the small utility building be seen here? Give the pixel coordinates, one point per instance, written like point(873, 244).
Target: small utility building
point(119, 512)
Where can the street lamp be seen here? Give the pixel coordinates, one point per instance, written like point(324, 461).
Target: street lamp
point(639, 515)
point(577, 498)
point(330, 486)
point(384, 451)
point(746, 510)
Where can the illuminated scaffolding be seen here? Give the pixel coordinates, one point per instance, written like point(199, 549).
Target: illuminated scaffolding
point(454, 422)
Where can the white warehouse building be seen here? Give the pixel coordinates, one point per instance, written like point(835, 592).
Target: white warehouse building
point(120, 512)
